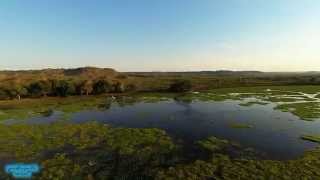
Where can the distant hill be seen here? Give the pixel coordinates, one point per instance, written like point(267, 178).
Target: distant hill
point(223, 73)
point(26, 76)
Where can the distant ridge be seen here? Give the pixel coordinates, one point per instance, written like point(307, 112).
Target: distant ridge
point(45, 74)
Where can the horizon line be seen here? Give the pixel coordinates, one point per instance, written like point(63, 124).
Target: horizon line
point(151, 71)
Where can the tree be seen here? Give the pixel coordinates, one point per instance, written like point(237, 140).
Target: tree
point(130, 87)
point(45, 87)
point(101, 86)
point(62, 88)
point(313, 80)
point(85, 87)
point(3, 94)
point(35, 89)
point(15, 91)
point(53, 86)
point(118, 87)
point(20, 91)
point(180, 86)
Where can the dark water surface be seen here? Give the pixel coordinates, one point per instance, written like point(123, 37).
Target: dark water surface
point(273, 132)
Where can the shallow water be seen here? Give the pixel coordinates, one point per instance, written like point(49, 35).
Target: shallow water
point(274, 133)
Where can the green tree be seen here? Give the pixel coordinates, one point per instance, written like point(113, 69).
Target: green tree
point(180, 86)
point(84, 87)
point(35, 89)
point(15, 91)
point(45, 87)
point(130, 87)
point(3, 93)
point(101, 86)
point(62, 88)
point(20, 91)
point(118, 87)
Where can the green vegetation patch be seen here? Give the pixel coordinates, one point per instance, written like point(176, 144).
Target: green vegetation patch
point(213, 144)
point(309, 89)
point(305, 110)
point(280, 99)
point(313, 138)
point(26, 108)
point(209, 96)
point(251, 103)
point(221, 166)
point(237, 125)
point(76, 151)
point(96, 151)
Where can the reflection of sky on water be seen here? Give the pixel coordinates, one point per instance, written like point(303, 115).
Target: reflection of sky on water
point(274, 132)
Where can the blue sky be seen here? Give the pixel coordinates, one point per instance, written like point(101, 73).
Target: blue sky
point(161, 35)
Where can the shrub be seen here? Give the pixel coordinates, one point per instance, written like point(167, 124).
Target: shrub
point(40, 88)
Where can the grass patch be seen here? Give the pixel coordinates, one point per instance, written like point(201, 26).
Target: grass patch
point(275, 90)
point(312, 138)
point(251, 103)
point(213, 144)
point(306, 110)
point(240, 125)
point(27, 108)
point(78, 151)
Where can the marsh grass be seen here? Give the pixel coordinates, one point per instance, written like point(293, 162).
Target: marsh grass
point(79, 151)
point(27, 108)
point(285, 98)
point(306, 110)
point(312, 138)
point(251, 103)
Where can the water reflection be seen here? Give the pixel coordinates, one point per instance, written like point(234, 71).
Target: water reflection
point(274, 132)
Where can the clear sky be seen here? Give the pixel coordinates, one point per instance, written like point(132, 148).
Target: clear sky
point(161, 35)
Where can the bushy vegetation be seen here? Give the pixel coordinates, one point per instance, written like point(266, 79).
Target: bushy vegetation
point(223, 167)
point(101, 87)
point(78, 151)
point(63, 88)
point(306, 110)
point(63, 82)
point(180, 86)
point(220, 165)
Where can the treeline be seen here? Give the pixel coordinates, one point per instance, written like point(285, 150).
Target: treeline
point(63, 88)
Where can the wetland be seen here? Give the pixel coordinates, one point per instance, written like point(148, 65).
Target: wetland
point(269, 132)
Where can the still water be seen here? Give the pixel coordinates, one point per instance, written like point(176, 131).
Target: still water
point(274, 133)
